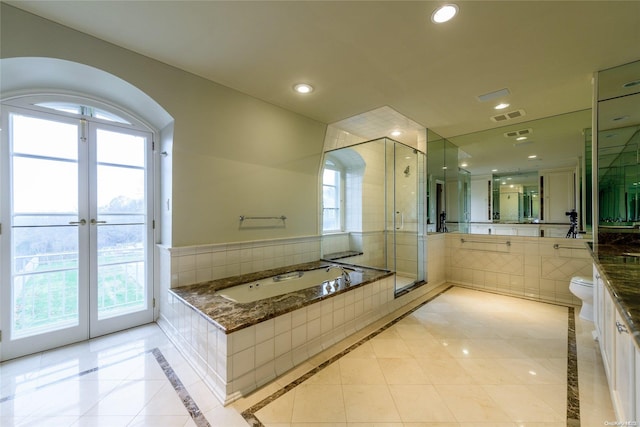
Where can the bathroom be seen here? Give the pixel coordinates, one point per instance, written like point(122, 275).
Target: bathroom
point(225, 155)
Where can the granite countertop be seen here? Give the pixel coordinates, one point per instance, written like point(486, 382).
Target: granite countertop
point(230, 316)
point(621, 273)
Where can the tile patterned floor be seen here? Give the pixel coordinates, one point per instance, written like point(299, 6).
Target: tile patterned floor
point(465, 358)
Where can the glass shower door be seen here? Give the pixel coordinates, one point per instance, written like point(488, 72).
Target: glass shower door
point(464, 200)
point(408, 213)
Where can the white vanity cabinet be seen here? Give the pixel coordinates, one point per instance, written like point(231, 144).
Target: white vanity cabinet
point(598, 288)
point(620, 355)
point(607, 339)
point(624, 387)
point(637, 383)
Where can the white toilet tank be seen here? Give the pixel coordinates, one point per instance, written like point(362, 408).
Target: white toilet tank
point(582, 281)
point(582, 287)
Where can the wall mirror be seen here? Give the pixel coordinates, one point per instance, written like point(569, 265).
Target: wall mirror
point(545, 154)
point(619, 147)
point(515, 198)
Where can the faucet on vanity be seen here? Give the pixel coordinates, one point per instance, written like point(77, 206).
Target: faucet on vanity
point(343, 270)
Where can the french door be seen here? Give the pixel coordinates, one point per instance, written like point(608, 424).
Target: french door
point(76, 252)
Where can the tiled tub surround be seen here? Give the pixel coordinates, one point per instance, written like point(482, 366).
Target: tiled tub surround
point(237, 348)
point(538, 268)
point(196, 264)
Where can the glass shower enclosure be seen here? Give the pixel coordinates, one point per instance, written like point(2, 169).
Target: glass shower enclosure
point(374, 208)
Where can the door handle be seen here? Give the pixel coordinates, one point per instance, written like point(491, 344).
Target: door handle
point(81, 222)
point(401, 220)
point(94, 221)
point(621, 328)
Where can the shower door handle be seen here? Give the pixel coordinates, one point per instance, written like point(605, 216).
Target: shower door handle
point(401, 220)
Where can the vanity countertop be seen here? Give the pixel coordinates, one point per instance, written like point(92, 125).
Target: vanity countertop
point(619, 263)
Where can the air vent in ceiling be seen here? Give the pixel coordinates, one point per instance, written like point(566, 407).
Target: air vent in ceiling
point(517, 133)
point(508, 116)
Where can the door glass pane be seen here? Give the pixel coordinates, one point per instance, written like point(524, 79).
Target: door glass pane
point(405, 208)
point(44, 179)
point(45, 279)
point(43, 137)
point(44, 186)
point(121, 230)
point(121, 149)
point(121, 272)
point(120, 190)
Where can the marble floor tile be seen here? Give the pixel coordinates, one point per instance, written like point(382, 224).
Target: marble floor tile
point(472, 403)
point(403, 371)
point(445, 371)
point(514, 375)
point(465, 358)
point(522, 405)
point(369, 403)
point(320, 403)
point(359, 371)
point(420, 403)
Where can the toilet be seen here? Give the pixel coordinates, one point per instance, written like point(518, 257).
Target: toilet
point(582, 287)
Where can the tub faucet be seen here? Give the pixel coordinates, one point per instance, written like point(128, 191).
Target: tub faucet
point(345, 275)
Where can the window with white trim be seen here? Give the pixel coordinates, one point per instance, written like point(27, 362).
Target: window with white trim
point(332, 189)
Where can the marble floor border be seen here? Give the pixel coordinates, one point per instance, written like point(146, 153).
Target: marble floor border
point(573, 400)
point(573, 394)
point(183, 394)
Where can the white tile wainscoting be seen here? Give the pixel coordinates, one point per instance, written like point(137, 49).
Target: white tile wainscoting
point(530, 267)
point(202, 263)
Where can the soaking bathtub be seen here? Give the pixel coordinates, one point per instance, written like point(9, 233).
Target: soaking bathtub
point(237, 347)
point(329, 278)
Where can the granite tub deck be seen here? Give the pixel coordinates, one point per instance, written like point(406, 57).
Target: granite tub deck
point(621, 275)
point(236, 348)
point(230, 316)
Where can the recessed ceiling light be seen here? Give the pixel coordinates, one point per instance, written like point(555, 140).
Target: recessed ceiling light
point(533, 156)
point(504, 183)
point(396, 133)
point(501, 106)
point(303, 88)
point(444, 13)
point(463, 165)
point(494, 170)
point(521, 138)
point(509, 178)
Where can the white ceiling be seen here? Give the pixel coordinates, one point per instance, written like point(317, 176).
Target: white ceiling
point(362, 55)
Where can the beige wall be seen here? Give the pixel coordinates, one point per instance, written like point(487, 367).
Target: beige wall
point(231, 154)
